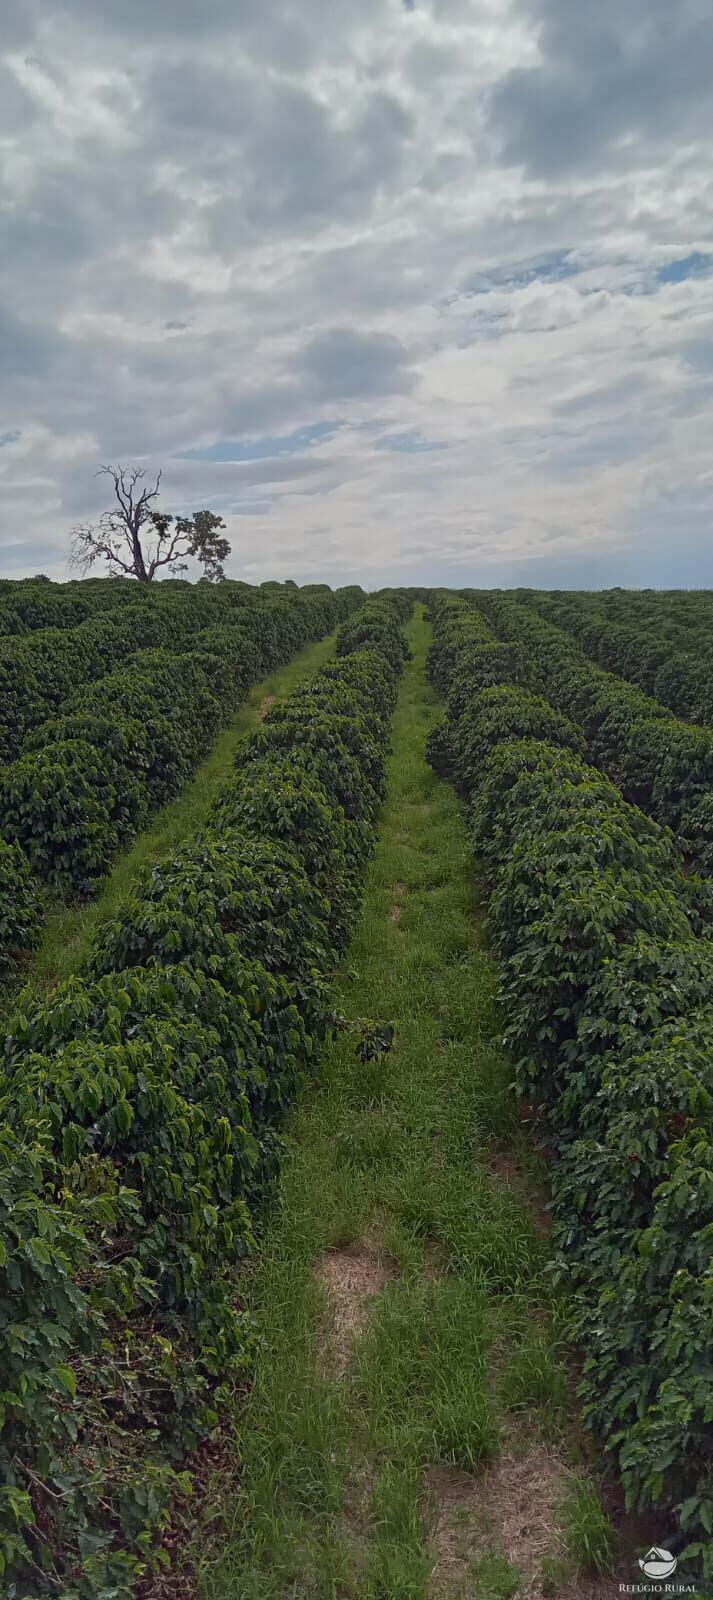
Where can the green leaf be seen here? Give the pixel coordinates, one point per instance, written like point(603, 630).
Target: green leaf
point(68, 1379)
point(40, 1250)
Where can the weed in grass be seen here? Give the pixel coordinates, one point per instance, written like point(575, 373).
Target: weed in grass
point(346, 1222)
point(397, 1563)
point(406, 1248)
point(586, 1528)
point(488, 1235)
point(492, 1099)
point(535, 1377)
point(555, 1574)
point(364, 1141)
point(414, 1199)
point(422, 1371)
point(373, 1084)
point(492, 1578)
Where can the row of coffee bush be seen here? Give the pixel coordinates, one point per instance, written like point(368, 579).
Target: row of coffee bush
point(660, 763)
point(140, 1116)
point(606, 987)
point(42, 669)
point(29, 604)
point(118, 747)
point(663, 642)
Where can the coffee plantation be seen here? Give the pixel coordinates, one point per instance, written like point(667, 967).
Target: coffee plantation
point(200, 1114)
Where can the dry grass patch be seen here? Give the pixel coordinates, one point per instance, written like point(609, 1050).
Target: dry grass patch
point(398, 892)
point(268, 700)
point(522, 1496)
point(455, 1508)
point(588, 1588)
point(352, 1279)
point(511, 1511)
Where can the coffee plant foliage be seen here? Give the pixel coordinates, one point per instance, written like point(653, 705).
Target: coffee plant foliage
point(660, 762)
point(606, 981)
point(108, 715)
point(142, 1104)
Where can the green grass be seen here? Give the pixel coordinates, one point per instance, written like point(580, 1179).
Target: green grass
point(398, 1158)
point(493, 1579)
point(586, 1527)
point(70, 928)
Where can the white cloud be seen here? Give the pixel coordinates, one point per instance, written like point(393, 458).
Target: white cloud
point(450, 224)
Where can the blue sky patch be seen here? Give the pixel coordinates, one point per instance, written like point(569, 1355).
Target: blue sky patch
point(550, 268)
point(407, 443)
point(697, 265)
point(283, 444)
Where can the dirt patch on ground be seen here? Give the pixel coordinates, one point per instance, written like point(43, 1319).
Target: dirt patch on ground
point(398, 892)
point(592, 1588)
point(503, 1166)
point(435, 1262)
point(512, 1511)
point(265, 705)
point(352, 1278)
point(456, 1509)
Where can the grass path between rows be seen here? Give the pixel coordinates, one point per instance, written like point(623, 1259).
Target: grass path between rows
point(69, 929)
point(410, 1431)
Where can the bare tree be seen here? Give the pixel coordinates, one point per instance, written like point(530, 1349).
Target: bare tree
point(135, 538)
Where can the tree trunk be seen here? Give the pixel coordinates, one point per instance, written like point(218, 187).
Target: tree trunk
point(138, 554)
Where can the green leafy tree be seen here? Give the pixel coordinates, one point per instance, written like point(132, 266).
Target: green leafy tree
point(135, 538)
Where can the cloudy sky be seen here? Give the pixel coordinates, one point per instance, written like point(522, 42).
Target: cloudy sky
point(407, 290)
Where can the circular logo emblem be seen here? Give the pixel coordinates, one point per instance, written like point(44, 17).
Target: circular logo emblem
point(658, 1563)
